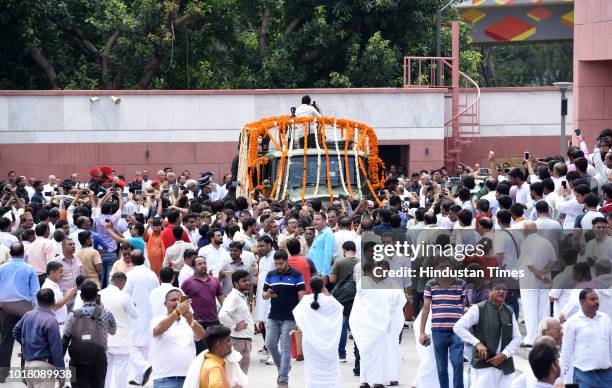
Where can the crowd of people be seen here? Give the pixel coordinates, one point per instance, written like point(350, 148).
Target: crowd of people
point(169, 280)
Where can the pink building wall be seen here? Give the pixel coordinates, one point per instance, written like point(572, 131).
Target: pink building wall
point(592, 67)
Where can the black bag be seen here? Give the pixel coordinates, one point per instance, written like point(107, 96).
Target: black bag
point(87, 344)
point(345, 290)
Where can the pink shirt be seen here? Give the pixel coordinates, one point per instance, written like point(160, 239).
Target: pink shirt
point(40, 253)
point(72, 269)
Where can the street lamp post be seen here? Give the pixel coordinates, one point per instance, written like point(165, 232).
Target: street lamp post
point(563, 87)
point(438, 38)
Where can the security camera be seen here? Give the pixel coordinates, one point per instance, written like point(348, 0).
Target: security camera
point(116, 100)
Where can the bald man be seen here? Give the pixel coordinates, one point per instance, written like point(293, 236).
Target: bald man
point(536, 261)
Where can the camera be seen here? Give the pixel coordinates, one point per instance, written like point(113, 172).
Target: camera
point(293, 111)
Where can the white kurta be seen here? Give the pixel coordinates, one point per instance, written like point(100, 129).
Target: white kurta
point(140, 282)
point(487, 377)
point(321, 331)
point(397, 300)
point(427, 373)
point(373, 322)
point(262, 306)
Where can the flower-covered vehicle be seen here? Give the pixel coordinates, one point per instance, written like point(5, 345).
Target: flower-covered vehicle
point(305, 157)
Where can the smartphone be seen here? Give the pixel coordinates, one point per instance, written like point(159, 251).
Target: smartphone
point(526, 155)
point(564, 184)
point(48, 193)
point(137, 192)
point(483, 171)
point(577, 132)
point(184, 298)
point(427, 342)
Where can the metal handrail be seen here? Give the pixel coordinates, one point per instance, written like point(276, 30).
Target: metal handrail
point(434, 62)
point(449, 122)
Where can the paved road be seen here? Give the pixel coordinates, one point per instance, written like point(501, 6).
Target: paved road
point(264, 376)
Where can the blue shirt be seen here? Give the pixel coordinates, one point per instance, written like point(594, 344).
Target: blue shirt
point(382, 228)
point(322, 251)
point(137, 243)
point(286, 286)
point(98, 241)
point(39, 336)
point(18, 281)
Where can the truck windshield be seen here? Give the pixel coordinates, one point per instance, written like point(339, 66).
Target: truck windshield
point(297, 170)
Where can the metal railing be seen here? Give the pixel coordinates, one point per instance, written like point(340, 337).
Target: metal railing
point(420, 72)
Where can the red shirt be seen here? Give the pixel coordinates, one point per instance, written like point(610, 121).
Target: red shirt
point(606, 208)
point(300, 264)
point(488, 263)
point(168, 238)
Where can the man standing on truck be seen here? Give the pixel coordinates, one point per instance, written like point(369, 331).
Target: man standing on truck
point(308, 108)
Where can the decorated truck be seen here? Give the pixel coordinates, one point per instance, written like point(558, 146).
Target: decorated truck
point(297, 158)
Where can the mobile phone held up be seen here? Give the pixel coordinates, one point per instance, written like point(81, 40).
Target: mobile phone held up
point(184, 298)
point(526, 155)
point(578, 132)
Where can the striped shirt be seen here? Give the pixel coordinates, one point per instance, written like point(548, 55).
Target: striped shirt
point(286, 286)
point(446, 303)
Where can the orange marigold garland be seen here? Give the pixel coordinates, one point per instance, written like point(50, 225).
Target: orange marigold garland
point(305, 166)
point(329, 186)
point(261, 129)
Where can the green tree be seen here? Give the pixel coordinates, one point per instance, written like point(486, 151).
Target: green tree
point(189, 44)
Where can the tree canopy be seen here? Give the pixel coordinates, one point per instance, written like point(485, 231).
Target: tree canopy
point(216, 44)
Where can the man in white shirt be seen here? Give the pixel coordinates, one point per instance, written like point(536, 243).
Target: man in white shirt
point(537, 259)
point(157, 297)
point(601, 246)
point(6, 238)
point(175, 254)
point(572, 205)
point(536, 191)
point(51, 185)
point(308, 108)
point(55, 272)
point(141, 281)
point(587, 345)
point(216, 257)
point(547, 227)
point(491, 196)
point(506, 247)
point(522, 188)
point(118, 353)
point(187, 271)
point(343, 235)
point(173, 341)
point(493, 344)
point(235, 314)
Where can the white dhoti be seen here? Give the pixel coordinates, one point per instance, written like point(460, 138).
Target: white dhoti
point(427, 373)
point(262, 306)
point(395, 329)
point(374, 324)
point(491, 378)
point(321, 330)
point(536, 307)
point(118, 368)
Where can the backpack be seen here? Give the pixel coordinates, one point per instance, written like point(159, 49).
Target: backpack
point(87, 344)
point(344, 291)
